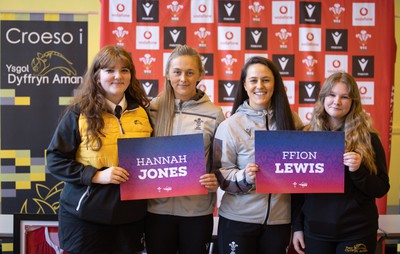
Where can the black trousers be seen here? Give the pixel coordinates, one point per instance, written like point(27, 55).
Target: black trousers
point(248, 238)
point(365, 245)
point(168, 234)
point(82, 237)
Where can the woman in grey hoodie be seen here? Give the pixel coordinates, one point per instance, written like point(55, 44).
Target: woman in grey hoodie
point(184, 224)
point(252, 223)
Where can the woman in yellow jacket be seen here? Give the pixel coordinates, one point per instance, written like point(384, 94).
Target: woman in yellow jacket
point(83, 153)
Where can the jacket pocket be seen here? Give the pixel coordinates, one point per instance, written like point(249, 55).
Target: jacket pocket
point(102, 204)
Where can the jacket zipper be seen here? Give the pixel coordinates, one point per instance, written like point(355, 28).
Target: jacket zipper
point(179, 131)
point(119, 120)
point(86, 193)
point(269, 195)
point(179, 116)
point(120, 126)
point(269, 208)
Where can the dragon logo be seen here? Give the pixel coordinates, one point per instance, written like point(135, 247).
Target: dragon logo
point(357, 248)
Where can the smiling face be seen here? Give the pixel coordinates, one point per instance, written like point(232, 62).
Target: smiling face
point(259, 85)
point(337, 104)
point(183, 75)
point(115, 80)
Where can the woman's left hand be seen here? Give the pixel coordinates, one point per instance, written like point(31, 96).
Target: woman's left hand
point(352, 160)
point(210, 182)
point(111, 175)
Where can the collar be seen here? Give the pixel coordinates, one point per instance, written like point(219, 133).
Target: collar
point(199, 94)
point(269, 111)
point(123, 103)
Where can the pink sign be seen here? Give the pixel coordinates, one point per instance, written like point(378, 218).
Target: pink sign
point(299, 161)
point(162, 166)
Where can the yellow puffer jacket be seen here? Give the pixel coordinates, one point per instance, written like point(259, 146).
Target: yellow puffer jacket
point(133, 124)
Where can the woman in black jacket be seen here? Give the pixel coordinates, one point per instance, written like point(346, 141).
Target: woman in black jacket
point(344, 222)
point(83, 153)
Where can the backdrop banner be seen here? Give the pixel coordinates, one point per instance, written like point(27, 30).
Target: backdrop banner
point(43, 58)
point(307, 40)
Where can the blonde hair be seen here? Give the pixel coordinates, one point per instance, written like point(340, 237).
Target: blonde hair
point(357, 124)
point(166, 106)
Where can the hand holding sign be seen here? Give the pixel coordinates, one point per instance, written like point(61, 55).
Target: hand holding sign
point(210, 182)
point(111, 175)
point(250, 170)
point(352, 160)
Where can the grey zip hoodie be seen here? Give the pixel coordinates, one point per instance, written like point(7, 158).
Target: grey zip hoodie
point(198, 115)
point(235, 139)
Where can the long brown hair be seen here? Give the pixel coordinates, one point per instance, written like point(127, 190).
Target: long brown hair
point(357, 124)
point(90, 96)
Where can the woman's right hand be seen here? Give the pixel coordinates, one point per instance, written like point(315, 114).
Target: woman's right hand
point(298, 242)
point(111, 175)
point(250, 170)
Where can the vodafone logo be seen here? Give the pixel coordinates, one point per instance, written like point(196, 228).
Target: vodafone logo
point(202, 87)
point(308, 116)
point(120, 11)
point(147, 35)
point(229, 38)
point(310, 36)
point(202, 8)
point(364, 14)
point(229, 35)
point(364, 11)
point(283, 10)
point(336, 64)
point(120, 7)
point(366, 90)
point(363, 90)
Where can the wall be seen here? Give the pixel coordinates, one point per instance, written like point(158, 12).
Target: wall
point(394, 171)
point(92, 7)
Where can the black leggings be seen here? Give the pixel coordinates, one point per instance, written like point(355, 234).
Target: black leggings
point(248, 238)
point(365, 245)
point(167, 234)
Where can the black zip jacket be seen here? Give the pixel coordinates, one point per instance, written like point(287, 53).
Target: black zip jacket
point(104, 199)
point(349, 215)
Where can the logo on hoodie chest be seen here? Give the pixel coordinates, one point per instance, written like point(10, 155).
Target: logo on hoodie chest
point(199, 123)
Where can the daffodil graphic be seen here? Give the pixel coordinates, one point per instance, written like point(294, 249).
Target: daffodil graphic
point(47, 201)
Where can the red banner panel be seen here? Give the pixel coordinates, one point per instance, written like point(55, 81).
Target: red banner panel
point(307, 40)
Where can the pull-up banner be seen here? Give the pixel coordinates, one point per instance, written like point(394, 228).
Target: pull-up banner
point(43, 58)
